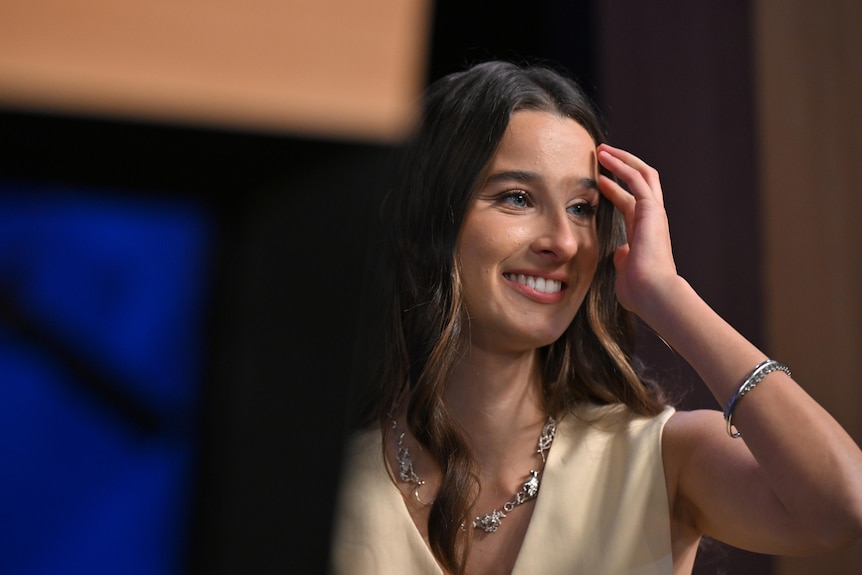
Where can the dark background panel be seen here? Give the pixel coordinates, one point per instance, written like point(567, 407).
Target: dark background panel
point(289, 219)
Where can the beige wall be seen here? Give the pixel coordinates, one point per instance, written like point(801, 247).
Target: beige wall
point(337, 68)
point(809, 85)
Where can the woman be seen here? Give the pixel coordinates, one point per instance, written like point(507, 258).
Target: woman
point(510, 430)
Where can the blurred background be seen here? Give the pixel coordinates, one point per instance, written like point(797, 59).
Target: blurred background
point(187, 195)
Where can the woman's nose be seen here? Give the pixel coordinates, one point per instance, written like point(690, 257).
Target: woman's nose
point(556, 237)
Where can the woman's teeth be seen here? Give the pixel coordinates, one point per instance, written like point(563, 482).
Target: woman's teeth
point(538, 284)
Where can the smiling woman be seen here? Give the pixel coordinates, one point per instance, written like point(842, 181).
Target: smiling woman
point(517, 264)
point(531, 224)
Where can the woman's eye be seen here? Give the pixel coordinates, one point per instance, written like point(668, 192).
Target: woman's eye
point(583, 210)
point(517, 198)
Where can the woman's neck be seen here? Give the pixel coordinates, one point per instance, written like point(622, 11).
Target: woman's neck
point(497, 400)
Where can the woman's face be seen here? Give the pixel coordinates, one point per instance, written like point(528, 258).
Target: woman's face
point(528, 248)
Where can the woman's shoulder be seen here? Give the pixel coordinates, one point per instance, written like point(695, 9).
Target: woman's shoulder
point(364, 473)
point(615, 418)
point(693, 426)
point(690, 430)
point(360, 443)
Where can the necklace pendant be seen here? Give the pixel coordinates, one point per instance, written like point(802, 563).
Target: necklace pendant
point(490, 522)
point(531, 486)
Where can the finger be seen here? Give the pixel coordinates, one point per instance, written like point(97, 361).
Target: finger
point(620, 255)
point(621, 199)
point(629, 159)
point(642, 179)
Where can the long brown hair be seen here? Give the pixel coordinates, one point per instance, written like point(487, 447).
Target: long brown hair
point(421, 331)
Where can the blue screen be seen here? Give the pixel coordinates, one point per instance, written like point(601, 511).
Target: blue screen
point(103, 298)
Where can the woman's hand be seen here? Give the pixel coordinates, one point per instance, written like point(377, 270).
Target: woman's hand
point(645, 265)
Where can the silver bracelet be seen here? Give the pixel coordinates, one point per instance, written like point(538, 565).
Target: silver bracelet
point(757, 374)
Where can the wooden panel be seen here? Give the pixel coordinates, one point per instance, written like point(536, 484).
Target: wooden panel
point(330, 67)
point(810, 105)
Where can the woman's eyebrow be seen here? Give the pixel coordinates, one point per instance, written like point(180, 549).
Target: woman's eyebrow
point(513, 175)
point(588, 183)
point(527, 177)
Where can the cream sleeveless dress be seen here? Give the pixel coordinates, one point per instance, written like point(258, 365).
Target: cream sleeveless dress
point(602, 508)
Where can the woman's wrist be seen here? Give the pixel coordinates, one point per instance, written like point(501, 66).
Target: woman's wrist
point(658, 307)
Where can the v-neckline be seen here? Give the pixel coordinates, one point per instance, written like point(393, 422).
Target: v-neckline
point(416, 533)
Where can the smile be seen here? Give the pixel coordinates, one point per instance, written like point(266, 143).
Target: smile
point(538, 284)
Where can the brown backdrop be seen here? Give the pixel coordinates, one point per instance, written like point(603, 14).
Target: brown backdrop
point(809, 102)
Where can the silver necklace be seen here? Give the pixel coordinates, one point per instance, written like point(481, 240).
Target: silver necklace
point(490, 521)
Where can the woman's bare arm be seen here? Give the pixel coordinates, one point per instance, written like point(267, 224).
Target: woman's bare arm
point(793, 483)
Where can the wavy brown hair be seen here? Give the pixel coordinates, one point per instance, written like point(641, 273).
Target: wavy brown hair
point(422, 316)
